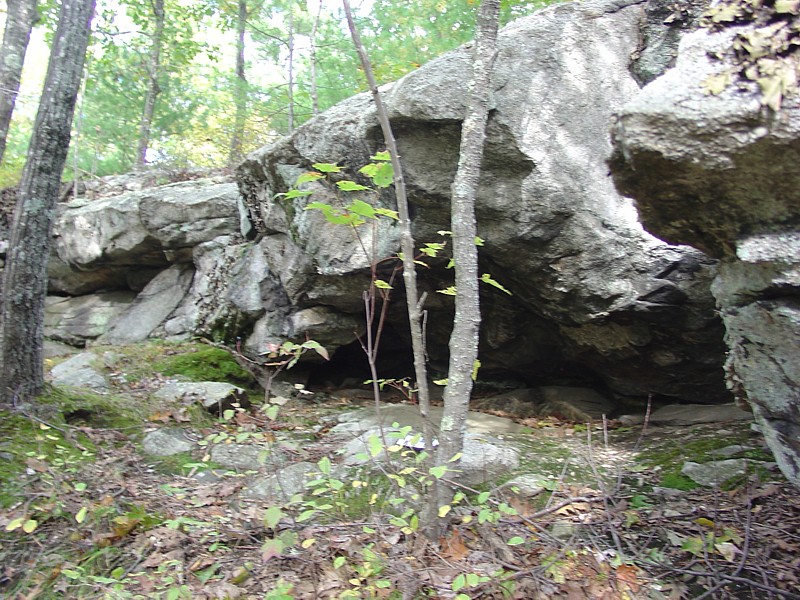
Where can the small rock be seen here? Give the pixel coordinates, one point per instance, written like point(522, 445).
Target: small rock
point(282, 485)
point(79, 371)
point(245, 457)
point(529, 486)
point(166, 442)
point(563, 530)
point(715, 473)
point(729, 451)
point(215, 396)
point(693, 414)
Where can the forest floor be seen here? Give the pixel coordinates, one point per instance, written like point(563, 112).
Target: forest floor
point(84, 513)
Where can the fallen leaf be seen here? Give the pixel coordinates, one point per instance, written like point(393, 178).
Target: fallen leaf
point(453, 547)
point(627, 575)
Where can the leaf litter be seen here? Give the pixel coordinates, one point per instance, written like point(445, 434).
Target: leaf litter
point(156, 534)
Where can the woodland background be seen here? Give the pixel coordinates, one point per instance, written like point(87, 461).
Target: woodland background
point(224, 77)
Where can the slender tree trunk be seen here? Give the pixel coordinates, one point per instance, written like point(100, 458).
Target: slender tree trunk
point(25, 276)
point(313, 60)
point(20, 19)
point(290, 46)
point(153, 87)
point(464, 338)
point(240, 87)
point(413, 301)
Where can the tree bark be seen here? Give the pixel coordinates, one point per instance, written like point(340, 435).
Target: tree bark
point(153, 87)
point(20, 19)
point(25, 276)
point(413, 302)
point(313, 61)
point(240, 87)
point(466, 325)
point(290, 88)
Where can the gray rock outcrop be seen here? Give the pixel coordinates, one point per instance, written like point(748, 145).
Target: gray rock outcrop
point(719, 172)
point(596, 299)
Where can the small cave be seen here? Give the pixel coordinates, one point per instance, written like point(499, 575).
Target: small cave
point(349, 368)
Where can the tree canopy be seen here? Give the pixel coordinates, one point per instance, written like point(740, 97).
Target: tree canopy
point(224, 77)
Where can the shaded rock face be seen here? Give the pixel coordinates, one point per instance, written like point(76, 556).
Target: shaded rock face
point(145, 262)
point(595, 300)
point(720, 173)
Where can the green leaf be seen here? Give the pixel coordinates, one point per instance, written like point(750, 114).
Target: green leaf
point(476, 366)
point(459, 581)
point(438, 471)
point(15, 524)
point(441, 381)
point(30, 525)
point(388, 213)
point(483, 497)
point(327, 167)
point(443, 510)
point(486, 278)
point(80, 517)
point(381, 174)
point(316, 347)
point(306, 177)
point(324, 465)
point(272, 516)
point(515, 541)
point(80, 486)
point(291, 194)
point(306, 515)
point(451, 291)
point(339, 562)
point(383, 155)
point(381, 284)
point(362, 209)
point(350, 186)
point(455, 457)
point(375, 446)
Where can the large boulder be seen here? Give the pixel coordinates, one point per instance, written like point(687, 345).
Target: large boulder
point(138, 232)
point(596, 299)
point(719, 172)
point(151, 247)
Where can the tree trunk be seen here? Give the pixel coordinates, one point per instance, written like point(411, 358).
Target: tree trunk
point(240, 88)
point(313, 61)
point(464, 338)
point(20, 18)
point(25, 277)
point(290, 89)
point(413, 301)
point(153, 87)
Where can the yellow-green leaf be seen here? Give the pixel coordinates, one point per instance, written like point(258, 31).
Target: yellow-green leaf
point(443, 510)
point(80, 517)
point(30, 525)
point(15, 524)
point(327, 167)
